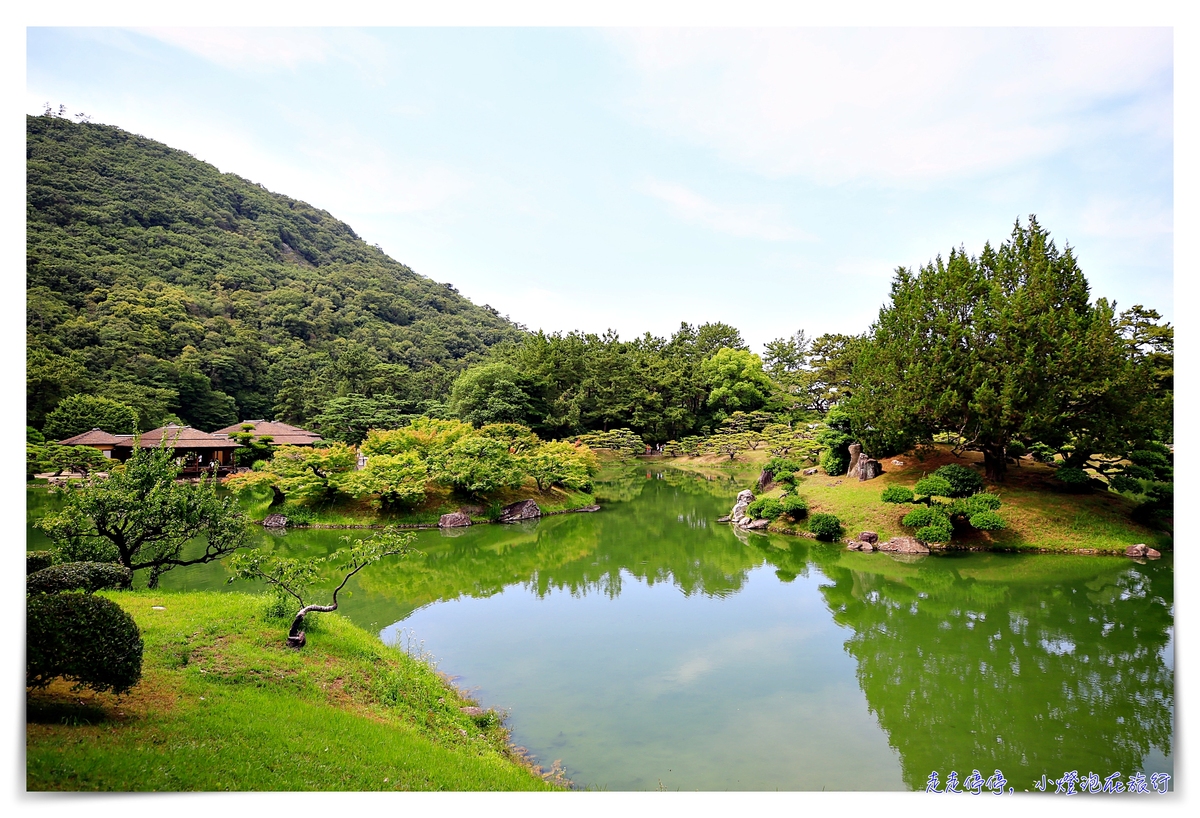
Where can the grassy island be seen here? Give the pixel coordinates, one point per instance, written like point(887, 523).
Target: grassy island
point(224, 705)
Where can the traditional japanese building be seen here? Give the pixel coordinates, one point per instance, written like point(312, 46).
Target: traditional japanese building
point(98, 439)
point(281, 434)
point(198, 451)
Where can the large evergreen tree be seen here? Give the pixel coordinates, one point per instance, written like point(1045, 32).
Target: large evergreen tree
point(1000, 348)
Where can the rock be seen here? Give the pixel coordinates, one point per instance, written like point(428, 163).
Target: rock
point(518, 511)
point(897, 462)
point(866, 546)
point(724, 519)
point(868, 536)
point(853, 545)
point(1142, 550)
point(855, 454)
point(456, 519)
point(903, 545)
point(755, 525)
point(473, 711)
point(744, 499)
point(275, 521)
point(868, 468)
point(587, 509)
point(810, 472)
point(764, 480)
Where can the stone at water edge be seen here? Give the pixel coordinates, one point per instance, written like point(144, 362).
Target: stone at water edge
point(866, 547)
point(275, 521)
point(904, 545)
point(724, 519)
point(1142, 550)
point(518, 511)
point(868, 536)
point(587, 509)
point(456, 519)
point(744, 499)
point(756, 525)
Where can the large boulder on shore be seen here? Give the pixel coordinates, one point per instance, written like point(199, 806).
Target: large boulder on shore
point(744, 499)
point(456, 519)
point(518, 511)
point(903, 545)
point(1142, 550)
point(754, 525)
point(275, 521)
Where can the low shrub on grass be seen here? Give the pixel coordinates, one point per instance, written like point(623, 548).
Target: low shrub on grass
point(825, 526)
point(964, 481)
point(896, 494)
point(938, 532)
point(765, 508)
point(1074, 479)
point(922, 516)
point(835, 462)
point(88, 577)
point(794, 506)
point(37, 560)
point(987, 521)
point(82, 638)
point(1124, 484)
point(933, 486)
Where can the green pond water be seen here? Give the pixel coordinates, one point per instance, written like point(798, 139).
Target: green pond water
point(647, 646)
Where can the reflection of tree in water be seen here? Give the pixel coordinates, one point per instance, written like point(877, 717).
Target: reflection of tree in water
point(1026, 677)
point(667, 535)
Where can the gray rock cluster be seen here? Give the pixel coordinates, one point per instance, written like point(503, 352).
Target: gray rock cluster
point(869, 541)
point(1142, 550)
point(518, 511)
point(275, 521)
point(738, 516)
point(457, 519)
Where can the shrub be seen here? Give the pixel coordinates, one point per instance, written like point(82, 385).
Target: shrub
point(933, 486)
point(765, 508)
point(1073, 478)
point(1016, 449)
point(86, 639)
point(924, 515)
point(940, 532)
point(37, 560)
point(1125, 484)
point(780, 466)
point(794, 506)
point(297, 514)
point(825, 526)
point(835, 462)
point(985, 501)
point(1138, 472)
point(987, 521)
point(964, 481)
point(88, 577)
point(896, 494)
point(1042, 453)
point(1153, 460)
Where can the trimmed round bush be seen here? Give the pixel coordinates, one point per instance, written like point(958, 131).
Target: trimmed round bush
point(88, 577)
point(987, 521)
point(82, 638)
point(933, 486)
point(1138, 472)
point(37, 560)
point(1073, 478)
point(935, 533)
point(1042, 453)
point(896, 494)
point(779, 466)
point(794, 506)
point(1016, 449)
point(1125, 484)
point(985, 501)
point(825, 526)
point(765, 508)
point(835, 462)
point(924, 515)
point(964, 481)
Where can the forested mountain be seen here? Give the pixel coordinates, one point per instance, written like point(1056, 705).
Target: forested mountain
point(158, 281)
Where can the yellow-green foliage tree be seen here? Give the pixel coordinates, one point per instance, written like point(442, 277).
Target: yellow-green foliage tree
point(560, 463)
point(391, 480)
point(300, 473)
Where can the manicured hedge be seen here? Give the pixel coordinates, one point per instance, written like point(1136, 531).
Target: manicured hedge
point(825, 526)
point(964, 481)
point(81, 638)
point(37, 560)
point(88, 577)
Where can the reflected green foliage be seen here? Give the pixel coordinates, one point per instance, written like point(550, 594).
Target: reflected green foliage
point(1030, 675)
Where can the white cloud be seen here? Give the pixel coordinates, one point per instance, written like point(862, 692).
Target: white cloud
point(896, 105)
point(753, 221)
point(288, 48)
point(1121, 218)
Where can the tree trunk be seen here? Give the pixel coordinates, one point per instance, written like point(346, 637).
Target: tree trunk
point(994, 463)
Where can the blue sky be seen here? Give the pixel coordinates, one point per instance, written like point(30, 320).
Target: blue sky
point(635, 178)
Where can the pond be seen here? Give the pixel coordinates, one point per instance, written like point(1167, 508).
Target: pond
point(646, 646)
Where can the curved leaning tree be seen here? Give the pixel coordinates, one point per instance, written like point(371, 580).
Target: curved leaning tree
point(141, 517)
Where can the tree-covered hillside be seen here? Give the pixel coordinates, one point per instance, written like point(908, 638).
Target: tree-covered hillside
point(158, 281)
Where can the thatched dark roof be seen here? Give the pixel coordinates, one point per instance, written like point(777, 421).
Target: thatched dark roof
point(282, 434)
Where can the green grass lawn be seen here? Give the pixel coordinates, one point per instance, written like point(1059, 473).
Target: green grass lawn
point(1040, 516)
point(224, 705)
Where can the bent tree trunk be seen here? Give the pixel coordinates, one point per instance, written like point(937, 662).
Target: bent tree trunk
point(296, 636)
point(995, 465)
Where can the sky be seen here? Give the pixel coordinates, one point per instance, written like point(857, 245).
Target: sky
point(636, 178)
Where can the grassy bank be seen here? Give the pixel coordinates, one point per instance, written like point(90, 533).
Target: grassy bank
point(439, 500)
point(224, 705)
point(1040, 514)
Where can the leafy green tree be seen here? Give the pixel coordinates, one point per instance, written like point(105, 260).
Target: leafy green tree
point(251, 449)
point(80, 413)
point(476, 466)
point(491, 393)
point(560, 463)
point(424, 436)
point(81, 459)
point(142, 517)
point(394, 480)
point(737, 380)
point(300, 473)
point(349, 418)
point(1000, 347)
point(293, 578)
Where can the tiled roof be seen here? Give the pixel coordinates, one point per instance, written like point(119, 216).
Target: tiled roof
point(92, 437)
point(283, 434)
point(183, 437)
